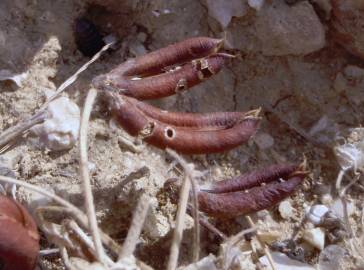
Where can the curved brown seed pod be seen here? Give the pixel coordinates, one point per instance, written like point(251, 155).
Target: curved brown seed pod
point(184, 140)
point(251, 179)
point(19, 239)
point(161, 85)
point(237, 203)
point(178, 53)
point(201, 121)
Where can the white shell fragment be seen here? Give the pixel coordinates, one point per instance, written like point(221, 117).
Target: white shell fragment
point(316, 212)
point(286, 210)
point(283, 262)
point(315, 237)
point(60, 130)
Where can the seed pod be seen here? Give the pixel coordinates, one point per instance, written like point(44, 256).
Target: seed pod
point(88, 39)
point(200, 121)
point(182, 139)
point(232, 204)
point(252, 179)
point(164, 84)
point(19, 238)
point(174, 54)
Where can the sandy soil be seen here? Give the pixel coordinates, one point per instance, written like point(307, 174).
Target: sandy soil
point(294, 86)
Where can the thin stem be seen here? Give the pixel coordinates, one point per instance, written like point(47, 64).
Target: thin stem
point(136, 226)
point(191, 175)
point(15, 131)
point(265, 247)
point(84, 173)
point(180, 222)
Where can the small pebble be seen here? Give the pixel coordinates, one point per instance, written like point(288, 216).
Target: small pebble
point(315, 213)
point(315, 237)
point(60, 130)
point(283, 262)
point(286, 210)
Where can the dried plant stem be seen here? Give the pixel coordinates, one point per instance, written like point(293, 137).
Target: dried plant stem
point(238, 237)
point(135, 227)
point(66, 260)
point(17, 130)
point(82, 219)
point(70, 207)
point(191, 174)
point(339, 179)
point(234, 240)
point(67, 207)
point(39, 117)
point(205, 223)
point(180, 223)
point(73, 226)
point(74, 77)
point(265, 247)
point(84, 173)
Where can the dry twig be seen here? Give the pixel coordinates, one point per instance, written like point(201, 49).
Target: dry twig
point(191, 174)
point(135, 227)
point(265, 247)
point(89, 204)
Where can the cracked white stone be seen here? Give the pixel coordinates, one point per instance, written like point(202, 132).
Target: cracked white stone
point(60, 130)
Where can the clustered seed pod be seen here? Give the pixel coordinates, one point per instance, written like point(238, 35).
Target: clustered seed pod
point(166, 71)
point(19, 238)
point(196, 59)
point(208, 133)
point(250, 192)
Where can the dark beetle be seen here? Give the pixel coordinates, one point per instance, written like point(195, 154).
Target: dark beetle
point(88, 39)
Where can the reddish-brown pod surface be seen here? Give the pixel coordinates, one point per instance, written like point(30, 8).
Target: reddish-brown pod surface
point(257, 191)
point(201, 121)
point(19, 238)
point(177, 53)
point(183, 139)
point(164, 84)
point(251, 179)
point(347, 25)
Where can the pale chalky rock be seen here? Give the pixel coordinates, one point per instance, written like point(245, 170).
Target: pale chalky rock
point(283, 262)
point(315, 237)
point(206, 263)
point(60, 129)
point(286, 210)
point(285, 30)
point(316, 212)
